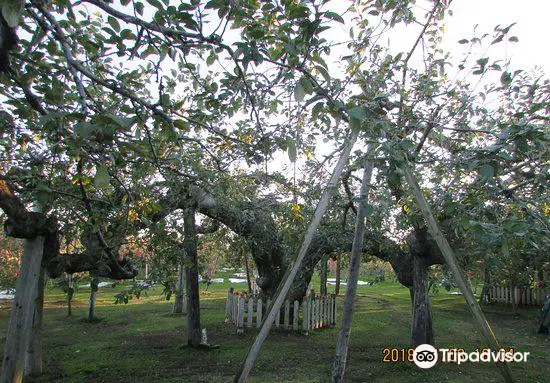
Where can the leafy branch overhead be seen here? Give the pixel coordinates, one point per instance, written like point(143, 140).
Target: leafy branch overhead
point(128, 120)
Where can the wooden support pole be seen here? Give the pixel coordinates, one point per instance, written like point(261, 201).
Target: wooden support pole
point(340, 357)
point(180, 306)
point(21, 317)
point(33, 357)
point(451, 261)
point(286, 282)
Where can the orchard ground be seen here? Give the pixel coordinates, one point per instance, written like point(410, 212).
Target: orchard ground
point(143, 342)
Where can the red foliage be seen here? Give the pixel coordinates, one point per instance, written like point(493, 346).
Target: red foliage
point(10, 255)
point(137, 248)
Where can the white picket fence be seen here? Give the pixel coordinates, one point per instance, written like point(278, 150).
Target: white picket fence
point(523, 295)
point(312, 313)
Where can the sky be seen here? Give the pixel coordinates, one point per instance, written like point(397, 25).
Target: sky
point(532, 28)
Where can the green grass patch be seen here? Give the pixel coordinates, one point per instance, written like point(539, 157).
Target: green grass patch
point(143, 342)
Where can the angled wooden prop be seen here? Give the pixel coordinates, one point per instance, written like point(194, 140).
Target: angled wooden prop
point(21, 318)
point(451, 261)
point(340, 357)
point(284, 287)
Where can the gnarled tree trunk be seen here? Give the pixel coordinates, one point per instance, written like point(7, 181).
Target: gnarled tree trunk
point(421, 327)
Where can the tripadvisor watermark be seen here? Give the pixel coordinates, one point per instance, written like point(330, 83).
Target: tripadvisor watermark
point(427, 356)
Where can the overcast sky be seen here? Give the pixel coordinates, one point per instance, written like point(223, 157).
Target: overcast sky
point(532, 28)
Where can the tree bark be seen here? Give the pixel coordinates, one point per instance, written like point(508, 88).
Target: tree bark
point(324, 272)
point(29, 224)
point(21, 318)
point(421, 327)
point(451, 261)
point(180, 306)
point(247, 270)
point(340, 357)
point(258, 228)
point(338, 273)
point(33, 358)
point(292, 271)
point(192, 278)
point(543, 321)
point(485, 296)
point(70, 295)
point(91, 302)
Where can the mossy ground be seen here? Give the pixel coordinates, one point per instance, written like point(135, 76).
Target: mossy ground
point(143, 342)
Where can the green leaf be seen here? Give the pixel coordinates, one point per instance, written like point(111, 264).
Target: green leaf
point(358, 113)
point(369, 209)
point(317, 108)
point(296, 11)
point(11, 11)
point(181, 124)
point(323, 73)
point(102, 178)
point(139, 8)
point(334, 16)
point(292, 153)
point(506, 78)
point(498, 39)
point(113, 23)
point(84, 129)
point(307, 85)
point(122, 122)
point(157, 4)
point(482, 63)
point(211, 58)
point(215, 4)
point(52, 116)
point(355, 124)
point(299, 92)
point(486, 171)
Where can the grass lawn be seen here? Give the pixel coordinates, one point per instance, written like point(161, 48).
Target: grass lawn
point(143, 342)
